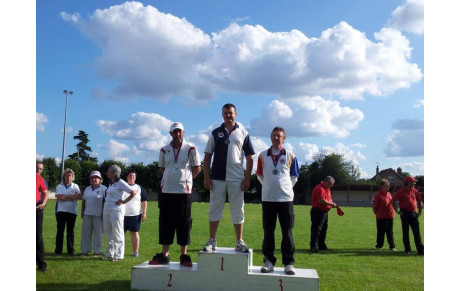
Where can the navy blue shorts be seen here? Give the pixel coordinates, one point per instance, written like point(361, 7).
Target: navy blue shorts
point(132, 223)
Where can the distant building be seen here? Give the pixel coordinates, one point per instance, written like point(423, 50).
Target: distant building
point(395, 178)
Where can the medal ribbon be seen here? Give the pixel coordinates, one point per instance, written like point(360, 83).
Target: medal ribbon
point(276, 158)
point(176, 155)
point(230, 132)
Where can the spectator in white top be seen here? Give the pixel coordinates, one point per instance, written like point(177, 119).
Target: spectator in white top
point(277, 171)
point(229, 144)
point(135, 212)
point(67, 194)
point(114, 212)
point(92, 232)
point(180, 163)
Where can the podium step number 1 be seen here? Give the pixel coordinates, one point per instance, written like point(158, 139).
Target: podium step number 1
point(222, 269)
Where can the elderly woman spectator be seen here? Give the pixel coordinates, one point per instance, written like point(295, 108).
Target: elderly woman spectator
point(114, 211)
point(67, 194)
point(91, 212)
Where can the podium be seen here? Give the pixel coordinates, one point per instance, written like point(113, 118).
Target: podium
point(222, 269)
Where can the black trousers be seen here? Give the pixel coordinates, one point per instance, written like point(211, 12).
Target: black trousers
point(385, 226)
point(41, 264)
point(410, 219)
point(284, 211)
point(65, 219)
point(175, 217)
point(319, 226)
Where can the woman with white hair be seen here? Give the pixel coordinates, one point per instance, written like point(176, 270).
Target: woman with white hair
point(67, 194)
point(114, 211)
point(91, 212)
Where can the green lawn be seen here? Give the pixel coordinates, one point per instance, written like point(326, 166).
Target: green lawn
point(351, 264)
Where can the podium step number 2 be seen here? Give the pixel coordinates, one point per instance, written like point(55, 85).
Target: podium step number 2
point(222, 269)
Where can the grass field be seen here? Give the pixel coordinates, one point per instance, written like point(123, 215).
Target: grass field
point(351, 264)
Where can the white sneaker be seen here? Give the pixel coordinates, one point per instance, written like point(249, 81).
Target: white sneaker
point(268, 267)
point(289, 269)
point(211, 245)
point(241, 246)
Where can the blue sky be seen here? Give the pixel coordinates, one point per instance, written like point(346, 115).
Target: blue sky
point(343, 76)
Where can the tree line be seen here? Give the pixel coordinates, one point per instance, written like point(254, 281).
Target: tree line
point(149, 176)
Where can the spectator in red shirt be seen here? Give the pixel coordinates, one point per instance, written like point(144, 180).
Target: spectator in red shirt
point(409, 202)
point(384, 213)
point(40, 202)
point(321, 202)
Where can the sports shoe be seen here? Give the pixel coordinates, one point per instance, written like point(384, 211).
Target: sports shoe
point(185, 260)
point(211, 245)
point(159, 259)
point(268, 267)
point(377, 248)
point(136, 255)
point(393, 249)
point(241, 246)
point(289, 269)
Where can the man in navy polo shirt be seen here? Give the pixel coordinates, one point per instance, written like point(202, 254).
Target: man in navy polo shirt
point(229, 143)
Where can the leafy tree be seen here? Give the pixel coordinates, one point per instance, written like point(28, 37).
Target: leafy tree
point(155, 177)
point(142, 174)
point(86, 168)
point(51, 172)
point(83, 149)
point(302, 187)
point(332, 164)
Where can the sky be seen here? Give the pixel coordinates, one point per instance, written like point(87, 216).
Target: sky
point(339, 76)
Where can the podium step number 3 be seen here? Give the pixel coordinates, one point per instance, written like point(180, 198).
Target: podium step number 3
point(222, 269)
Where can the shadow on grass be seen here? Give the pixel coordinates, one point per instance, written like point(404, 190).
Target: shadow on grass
point(358, 252)
point(108, 285)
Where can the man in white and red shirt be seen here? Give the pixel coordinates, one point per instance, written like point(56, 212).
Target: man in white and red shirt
point(384, 213)
point(321, 203)
point(277, 171)
point(409, 202)
point(180, 163)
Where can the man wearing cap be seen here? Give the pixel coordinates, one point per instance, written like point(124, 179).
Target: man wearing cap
point(229, 144)
point(92, 227)
point(180, 163)
point(321, 203)
point(409, 201)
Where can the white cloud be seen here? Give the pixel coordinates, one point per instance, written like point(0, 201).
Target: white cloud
point(118, 151)
point(407, 139)
point(419, 103)
point(413, 168)
point(148, 52)
point(409, 17)
point(307, 117)
point(68, 130)
point(152, 54)
point(41, 120)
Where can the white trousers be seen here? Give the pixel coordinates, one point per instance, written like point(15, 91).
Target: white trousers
point(235, 199)
point(113, 229)
point(92, 235)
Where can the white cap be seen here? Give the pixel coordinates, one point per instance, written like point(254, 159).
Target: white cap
point(95, 174)
point(176, 125)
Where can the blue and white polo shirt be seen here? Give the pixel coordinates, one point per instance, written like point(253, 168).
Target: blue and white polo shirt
point(227, 164)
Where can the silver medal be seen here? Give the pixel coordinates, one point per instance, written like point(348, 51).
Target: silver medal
point(275, 172)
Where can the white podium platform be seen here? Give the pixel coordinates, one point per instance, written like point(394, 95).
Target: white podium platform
point(223, 269)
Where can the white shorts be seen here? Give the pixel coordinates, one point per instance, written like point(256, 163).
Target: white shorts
point(235, 199)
